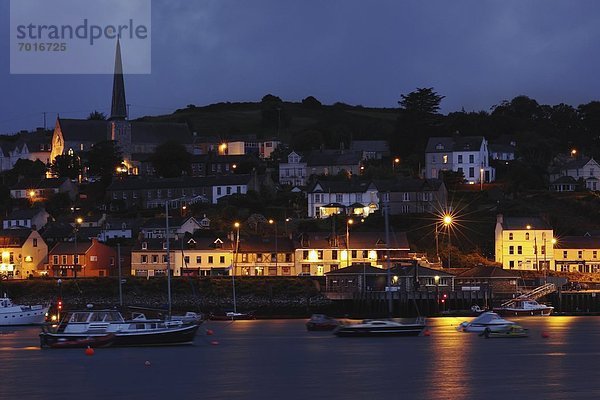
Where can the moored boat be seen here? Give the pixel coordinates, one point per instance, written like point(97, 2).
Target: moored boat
point(92, 341)
point(525, 307)
point(381, 327)
point(232, 315)
point(321, 322)
point(487, 320)
point(511, 331)
point(14, 314)
point(139, 331)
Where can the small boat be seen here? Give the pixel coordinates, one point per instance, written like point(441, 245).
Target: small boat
point(525, 307)
point(511, 331)
point(92, 341)
point(381, 327)
point(321, 322)
point(232, 315)
point(188, 318)
point(487, 320)
point(13, 314)
point(138, 331)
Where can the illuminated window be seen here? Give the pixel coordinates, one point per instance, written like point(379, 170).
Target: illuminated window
point(445, 159)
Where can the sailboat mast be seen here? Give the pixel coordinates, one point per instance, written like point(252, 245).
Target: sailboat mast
point(168, 256)
point(389, 264)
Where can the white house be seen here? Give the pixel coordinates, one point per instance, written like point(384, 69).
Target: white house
point(468, 155)
point(326, 198)
point(524, 243)
point(34, 218)
point(156, 227)
point(585, 168)
point(294, 171)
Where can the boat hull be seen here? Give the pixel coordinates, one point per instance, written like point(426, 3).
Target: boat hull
point(176, 336)
point(408, 330)
point(516, 312)
point(33, 316)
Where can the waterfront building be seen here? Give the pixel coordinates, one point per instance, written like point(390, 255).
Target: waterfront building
point(24, 253)
point(491, 280)
point(577, 254)
point(269, 255)
point(319, 252)
point(82, 259)
point(189, 256)
point(524, 243)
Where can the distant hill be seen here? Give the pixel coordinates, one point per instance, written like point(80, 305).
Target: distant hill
point(338, 123)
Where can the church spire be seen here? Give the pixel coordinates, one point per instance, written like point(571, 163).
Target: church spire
point(118, 110)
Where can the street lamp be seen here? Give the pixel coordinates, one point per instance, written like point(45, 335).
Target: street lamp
point(348, 223)
point(395, 162)
point(447, 221)
point(481, 171)
point(236, 225)
point(272, 222)
point(436, 280)
point(78, 222)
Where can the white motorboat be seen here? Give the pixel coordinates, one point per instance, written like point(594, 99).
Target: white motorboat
point(381, 327)
point(525, 307)
point(487, 320)
point(14, 314)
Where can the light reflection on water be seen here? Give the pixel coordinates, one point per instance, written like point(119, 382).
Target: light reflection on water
point(277, 359)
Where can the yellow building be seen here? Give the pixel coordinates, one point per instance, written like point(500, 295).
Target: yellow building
point(24, 253)
point(190, 257)
point(319, 253)
point(577, 254)
point(524, 243)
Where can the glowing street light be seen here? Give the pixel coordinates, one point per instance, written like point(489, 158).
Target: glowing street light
point(447, 221)
point(348, 223)
point(274, 223)
point(236, 225)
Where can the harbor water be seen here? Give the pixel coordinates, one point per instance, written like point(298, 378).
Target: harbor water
point(279, 359)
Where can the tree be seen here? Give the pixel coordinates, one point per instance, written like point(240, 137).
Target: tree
point(421, 101)
point(418, 120)
point(103, 158)
point(97, 115)
point(311, 102)
point(171, 159)
point(66, 166)
point(30, 170)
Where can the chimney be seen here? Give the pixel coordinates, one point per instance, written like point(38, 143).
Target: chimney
point(499, 219)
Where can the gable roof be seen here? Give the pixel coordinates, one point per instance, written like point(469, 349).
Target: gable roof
point(27, 213)
point(345, 186)
point(578, 242)
point(520, 223)
point(333, 157)
point(14, 237)
point(370, 145)
point(481, 271)
point(408, 184)
point(138, 183)
point(456, 143)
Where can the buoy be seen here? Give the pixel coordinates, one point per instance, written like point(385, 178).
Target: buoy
point(426, 333)
point(545, 335)
point(209, 332)
point(214, 342)
point(89, 351)
point(147, 363)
